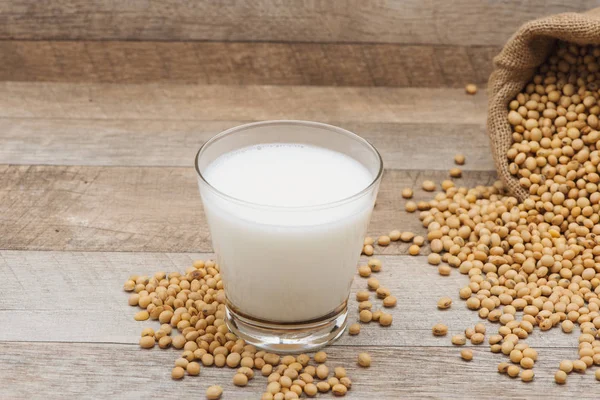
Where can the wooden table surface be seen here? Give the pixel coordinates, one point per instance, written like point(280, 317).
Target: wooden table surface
point(98, 130)
point(107, 189)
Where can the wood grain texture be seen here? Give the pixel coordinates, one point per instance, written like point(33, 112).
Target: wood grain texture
point(93, 306)
point(102, 336)
point(65, 370)
point(464, 22)
point(151, 209)
point(176, 102)
point(174, 143)
point(247, 63)
point(87, 346)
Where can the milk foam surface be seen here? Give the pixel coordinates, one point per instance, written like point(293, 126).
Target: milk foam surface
point(287, 174)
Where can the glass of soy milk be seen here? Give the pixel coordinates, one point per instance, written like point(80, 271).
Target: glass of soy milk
point(288, 204)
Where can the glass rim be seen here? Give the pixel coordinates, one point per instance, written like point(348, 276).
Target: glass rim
point(329, 127)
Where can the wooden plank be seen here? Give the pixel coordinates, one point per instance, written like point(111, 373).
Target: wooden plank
point(232, 102)
point(90, 286)
point(174, 143)
point(99, 371)
point(247, 63)
point(150, 209)
point(468, 22)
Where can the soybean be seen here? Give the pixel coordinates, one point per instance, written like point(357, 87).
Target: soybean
point(364, 360)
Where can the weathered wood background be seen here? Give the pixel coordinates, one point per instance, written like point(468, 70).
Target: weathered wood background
point(407, 43)
point(102, 106)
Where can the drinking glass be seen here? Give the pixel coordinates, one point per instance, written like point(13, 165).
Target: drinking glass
point(287, 271)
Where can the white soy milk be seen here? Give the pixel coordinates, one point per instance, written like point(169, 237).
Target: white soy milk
point(280, 261)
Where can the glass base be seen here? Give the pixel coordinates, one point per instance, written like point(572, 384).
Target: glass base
point(288, 337)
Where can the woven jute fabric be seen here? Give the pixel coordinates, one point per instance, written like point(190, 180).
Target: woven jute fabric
point(515, 66)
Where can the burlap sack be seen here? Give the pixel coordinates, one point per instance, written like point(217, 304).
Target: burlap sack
point(516, 65)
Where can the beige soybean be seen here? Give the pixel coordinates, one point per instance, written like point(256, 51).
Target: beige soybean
point(333, 381)
point(434, 259)
point(455, 172)
point(477, 338)
point(382, 292)
point(364, 271)
point(383, 240)
point(410, 206)
point(214, 392)
point(428, 185)
point(567, 326)
point(310, 389)
point(365, 316)
point(513, 371)
point(375, 264)
point(181, 362)
point(362, 295)
point(444, 270)
point(233, 360)
point(444, 303)
point(560, 377)
point(147, 342)
point(579, 366)
point(266, 370)
point(466, 354)
point(394, 235)
point(240, 379)
point(147, 332)
point(323, 387)
point(407, 236)
point(480, 328)
point(141, 316)
point(527, 375)
point(339, 390)
point(339, 372)
point(503, 367)
point(389, 301)
point(385, 319)
point(459, 340)
point(364, 360)
point(471, 88)
point(346, 382)
point(322, 371)
point(526, 363)
point(439, 330)
point(372, 283)
point(193, 368)
point(419, 240)
point(414, 250)
point(177, 373)
point(303, 359)
point(164, 342)
point(320, 357)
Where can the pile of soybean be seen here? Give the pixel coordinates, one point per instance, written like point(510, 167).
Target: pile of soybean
point(191, 310)
point(535, 264)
